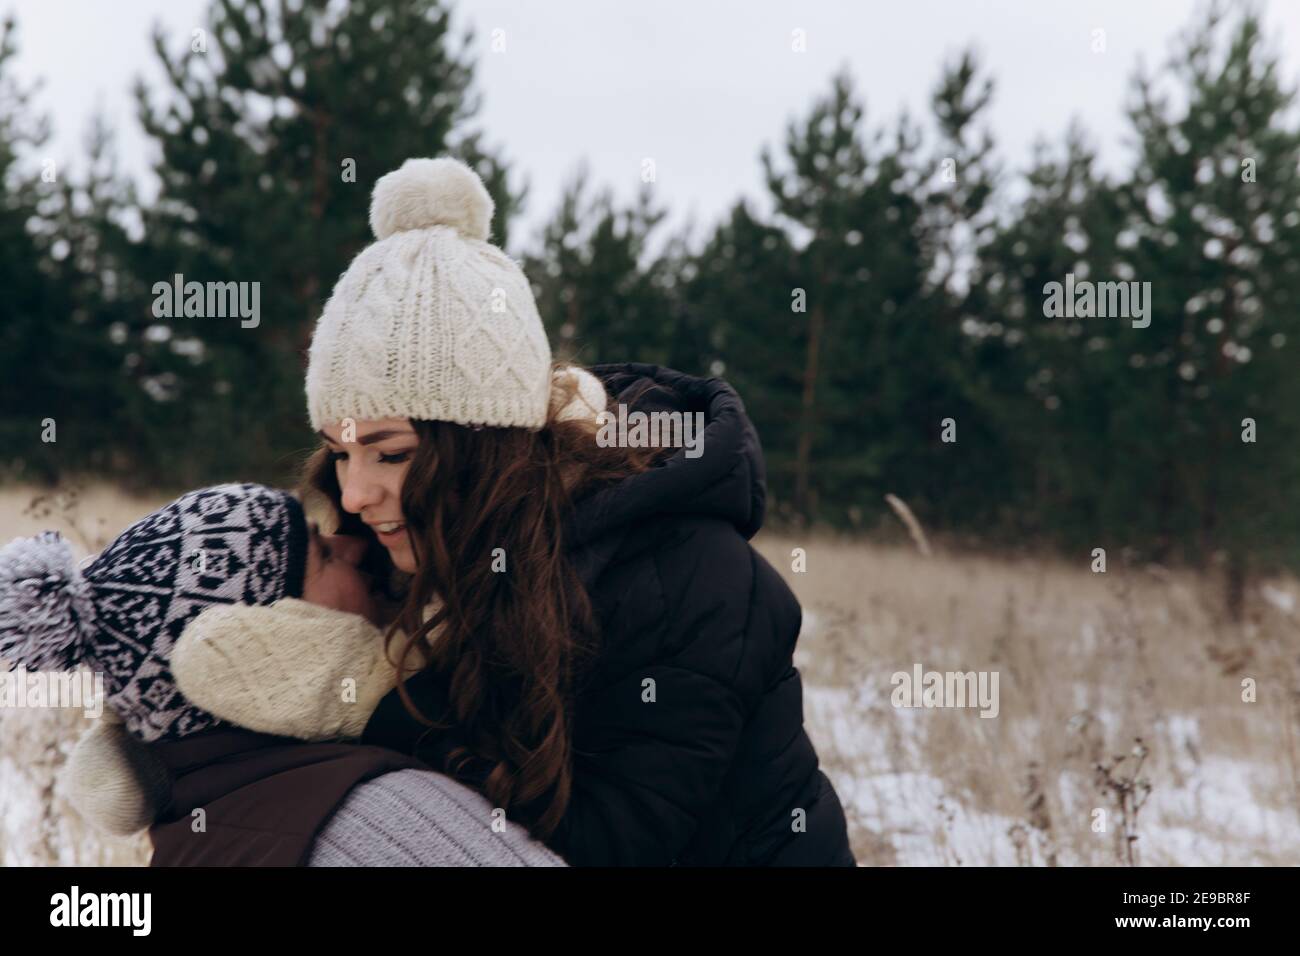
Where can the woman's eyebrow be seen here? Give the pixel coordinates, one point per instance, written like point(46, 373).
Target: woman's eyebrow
point(372, 437)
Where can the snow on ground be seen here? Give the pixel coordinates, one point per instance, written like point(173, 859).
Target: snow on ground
point(20, 815)
point(1215, 818)
point(912, 808)
point(1204, 809)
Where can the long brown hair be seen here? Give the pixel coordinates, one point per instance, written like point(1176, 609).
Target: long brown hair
point(515, 644)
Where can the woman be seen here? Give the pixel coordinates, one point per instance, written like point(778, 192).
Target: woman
point(610, 662)
point(177, 578)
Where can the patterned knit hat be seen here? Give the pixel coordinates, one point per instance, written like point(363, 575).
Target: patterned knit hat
point(122, 614)
point(431, 321)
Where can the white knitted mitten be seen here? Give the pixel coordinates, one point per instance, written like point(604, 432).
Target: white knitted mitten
point(113, 780)
point(290, 668)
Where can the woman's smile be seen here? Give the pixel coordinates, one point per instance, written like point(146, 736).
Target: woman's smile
point(390, 533)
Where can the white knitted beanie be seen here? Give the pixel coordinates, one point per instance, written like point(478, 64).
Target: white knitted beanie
point(431, 321)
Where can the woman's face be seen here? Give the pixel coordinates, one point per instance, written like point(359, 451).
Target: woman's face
point(370, 460)
point(333, 579)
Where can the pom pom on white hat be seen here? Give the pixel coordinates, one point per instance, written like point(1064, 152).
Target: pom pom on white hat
point(589, 396)
point(431, 321)
point(431, 192)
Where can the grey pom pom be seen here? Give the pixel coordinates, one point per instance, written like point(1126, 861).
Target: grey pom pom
point(46, 609)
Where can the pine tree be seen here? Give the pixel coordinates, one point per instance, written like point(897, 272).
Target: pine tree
point(821, 198)
point(737, 289)
point(1213, 221)
point(1055, 387)
point(278, 120)
point(953, 467)
point(880, 345)
point(599, 290)
point(29, 348)
point(89, 254)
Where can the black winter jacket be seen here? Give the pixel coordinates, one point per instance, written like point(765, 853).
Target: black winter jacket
point(717, 770)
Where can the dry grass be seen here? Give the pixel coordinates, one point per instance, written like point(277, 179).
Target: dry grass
point(1088, 664)
point(1093, 667)
point(37, 825)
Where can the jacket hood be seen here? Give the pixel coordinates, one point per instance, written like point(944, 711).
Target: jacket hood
point(727, 480)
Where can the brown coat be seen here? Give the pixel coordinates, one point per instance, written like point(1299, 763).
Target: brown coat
point(264, 798)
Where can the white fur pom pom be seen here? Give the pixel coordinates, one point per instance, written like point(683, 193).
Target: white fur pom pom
point(46, 609)
point(431, 192)
point(588, 401)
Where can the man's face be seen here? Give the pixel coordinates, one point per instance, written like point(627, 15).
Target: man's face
point(333, 579)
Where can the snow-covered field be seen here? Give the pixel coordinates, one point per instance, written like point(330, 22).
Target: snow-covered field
point(1088, 665)
point(1205, 810)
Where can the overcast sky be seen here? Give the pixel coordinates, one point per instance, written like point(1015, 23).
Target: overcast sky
point(699, 86)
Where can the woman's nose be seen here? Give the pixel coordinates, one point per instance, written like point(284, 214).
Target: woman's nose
point(358, 492)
